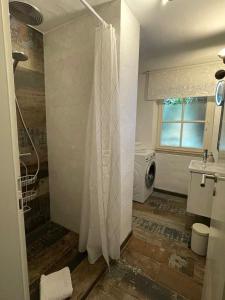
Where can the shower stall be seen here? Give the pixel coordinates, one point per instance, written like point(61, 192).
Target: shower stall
point(44, 238)
point(29, 15)
point(53, 72)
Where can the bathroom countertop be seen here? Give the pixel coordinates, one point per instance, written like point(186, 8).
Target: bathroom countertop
point(199, 166)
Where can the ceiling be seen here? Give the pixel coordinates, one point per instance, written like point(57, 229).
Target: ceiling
point(57, 12)
point(187, 30)
point(194, 29)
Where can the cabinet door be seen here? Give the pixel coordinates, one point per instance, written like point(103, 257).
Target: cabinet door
point(200, 198)
point(214, 283)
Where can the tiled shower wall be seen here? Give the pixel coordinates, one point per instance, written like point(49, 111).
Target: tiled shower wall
point(30, 91)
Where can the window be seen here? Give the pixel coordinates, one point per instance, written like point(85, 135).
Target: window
point(184, 123)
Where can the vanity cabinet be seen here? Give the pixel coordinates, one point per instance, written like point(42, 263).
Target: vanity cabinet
point(200, 198)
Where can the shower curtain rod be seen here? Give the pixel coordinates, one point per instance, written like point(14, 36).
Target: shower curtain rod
point(93, 12)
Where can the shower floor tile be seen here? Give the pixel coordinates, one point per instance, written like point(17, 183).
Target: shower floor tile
point(50, 248)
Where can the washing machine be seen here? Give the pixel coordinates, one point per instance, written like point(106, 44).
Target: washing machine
point(144, 174)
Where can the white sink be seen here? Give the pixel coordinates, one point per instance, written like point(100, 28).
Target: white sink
point(199, 166)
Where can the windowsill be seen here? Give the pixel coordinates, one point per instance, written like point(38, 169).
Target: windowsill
point(188, 152)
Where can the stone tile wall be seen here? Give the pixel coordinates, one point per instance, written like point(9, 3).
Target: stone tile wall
point(30, 92)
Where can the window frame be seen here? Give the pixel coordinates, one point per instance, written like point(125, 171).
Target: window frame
point(208, 130)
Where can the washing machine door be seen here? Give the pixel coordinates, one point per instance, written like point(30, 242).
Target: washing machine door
point(150, 175)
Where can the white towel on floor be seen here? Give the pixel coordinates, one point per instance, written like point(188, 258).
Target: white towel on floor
point(56, 286)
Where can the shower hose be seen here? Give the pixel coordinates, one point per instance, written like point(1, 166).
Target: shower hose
point(29, 136)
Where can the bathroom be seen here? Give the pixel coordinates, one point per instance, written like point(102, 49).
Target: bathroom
point(164, 84)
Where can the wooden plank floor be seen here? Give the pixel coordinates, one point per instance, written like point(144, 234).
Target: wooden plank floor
point(49, 249)
point(157, 263)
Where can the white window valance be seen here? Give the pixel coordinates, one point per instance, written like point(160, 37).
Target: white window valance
point(189, 81)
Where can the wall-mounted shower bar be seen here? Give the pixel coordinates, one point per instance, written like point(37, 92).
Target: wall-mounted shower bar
point(93, 12)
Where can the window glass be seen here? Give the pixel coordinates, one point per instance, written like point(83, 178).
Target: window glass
point(170, 135)
point(195, 109)
point(183, 122)
point(172, 110)
point(193, 135)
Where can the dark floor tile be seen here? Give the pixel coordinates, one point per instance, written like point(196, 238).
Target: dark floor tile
point(50, 248)
point(156, 263)
point(131, 284)
point(85, 276)
point(179, 282)
point(44, 237)
point(161, 229)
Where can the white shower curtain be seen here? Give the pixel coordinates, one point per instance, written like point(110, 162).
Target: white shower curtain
point(101, 205)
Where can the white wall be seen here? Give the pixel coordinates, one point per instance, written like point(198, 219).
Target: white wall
point(129, 59)
point(147, 112)
point(172, 170)
point(69, 61)
point(181, 58)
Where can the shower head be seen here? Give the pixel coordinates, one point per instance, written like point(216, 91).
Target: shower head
point(18, 56)
point(25, 13)
point(220, 74)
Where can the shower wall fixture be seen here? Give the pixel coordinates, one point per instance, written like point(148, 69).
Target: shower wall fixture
point(27, 44)
point(25, 13)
